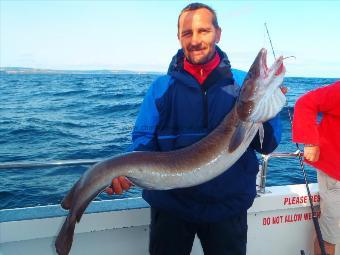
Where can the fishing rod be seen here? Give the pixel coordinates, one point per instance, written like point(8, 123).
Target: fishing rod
point(302, 166)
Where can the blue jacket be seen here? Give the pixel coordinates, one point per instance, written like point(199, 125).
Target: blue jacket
point(176, 112)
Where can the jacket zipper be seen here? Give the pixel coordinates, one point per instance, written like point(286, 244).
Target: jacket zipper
point(205, 107)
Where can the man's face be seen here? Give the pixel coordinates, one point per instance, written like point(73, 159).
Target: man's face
point(198, 35)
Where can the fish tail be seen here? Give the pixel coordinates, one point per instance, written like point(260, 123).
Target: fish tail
point(64, 239)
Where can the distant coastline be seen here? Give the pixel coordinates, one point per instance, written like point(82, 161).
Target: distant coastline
point(27, 70)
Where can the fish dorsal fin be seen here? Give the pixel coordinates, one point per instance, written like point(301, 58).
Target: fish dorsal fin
point(237, 137)
point(268, 107)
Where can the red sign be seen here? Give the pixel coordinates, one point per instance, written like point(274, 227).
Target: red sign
point(300, 200)
point(288, 218)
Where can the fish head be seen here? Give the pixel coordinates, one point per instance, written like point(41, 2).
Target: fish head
point(261, 98)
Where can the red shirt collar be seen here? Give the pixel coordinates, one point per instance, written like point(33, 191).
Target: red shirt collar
point(201, 72)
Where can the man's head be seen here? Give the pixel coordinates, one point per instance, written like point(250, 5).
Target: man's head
point(198, 32)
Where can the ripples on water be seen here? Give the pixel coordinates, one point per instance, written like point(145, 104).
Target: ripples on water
point(89, 116)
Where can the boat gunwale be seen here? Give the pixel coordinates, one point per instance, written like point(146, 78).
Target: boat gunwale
point(53, 211)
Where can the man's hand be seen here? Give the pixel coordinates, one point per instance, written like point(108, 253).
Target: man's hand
point(284, 89)
point(311, 153)
point(118, 185)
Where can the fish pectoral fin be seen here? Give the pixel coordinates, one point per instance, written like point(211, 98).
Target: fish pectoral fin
point(261, 134)
point(237, 138)
point(268, 107)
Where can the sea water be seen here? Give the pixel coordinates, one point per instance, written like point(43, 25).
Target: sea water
point(47, 117)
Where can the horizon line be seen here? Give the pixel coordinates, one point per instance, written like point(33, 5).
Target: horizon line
point(113, 71)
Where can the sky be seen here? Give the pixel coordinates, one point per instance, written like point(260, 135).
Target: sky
point(142, 35)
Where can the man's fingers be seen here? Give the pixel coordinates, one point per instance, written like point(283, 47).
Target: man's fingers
point(309, 158)
point(312, 157)
point(311, 153)
point(125, 183)
point(109, 190)
point(116, 186)
point(284, 90)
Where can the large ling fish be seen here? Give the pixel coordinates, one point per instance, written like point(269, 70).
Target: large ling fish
point(259, 100)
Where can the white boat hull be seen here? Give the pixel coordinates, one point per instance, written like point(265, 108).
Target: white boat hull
point(279, 222)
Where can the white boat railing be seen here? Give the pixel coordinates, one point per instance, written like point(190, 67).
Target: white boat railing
point(76, 162)
point(56, 163)
point(264, 165)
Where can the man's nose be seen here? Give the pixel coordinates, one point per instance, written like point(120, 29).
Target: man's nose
point(195, 39)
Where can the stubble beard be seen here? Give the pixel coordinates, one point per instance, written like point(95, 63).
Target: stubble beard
point(201, 59)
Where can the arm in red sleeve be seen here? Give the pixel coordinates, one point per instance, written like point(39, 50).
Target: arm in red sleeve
point(305, 128)
point(323, 100)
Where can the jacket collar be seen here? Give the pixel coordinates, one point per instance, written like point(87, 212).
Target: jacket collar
point(222, 71)
point(202, 71)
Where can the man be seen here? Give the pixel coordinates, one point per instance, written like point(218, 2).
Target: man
point(179, 109)
point(321, 150)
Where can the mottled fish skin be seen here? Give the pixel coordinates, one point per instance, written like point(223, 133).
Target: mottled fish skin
point(259, 100)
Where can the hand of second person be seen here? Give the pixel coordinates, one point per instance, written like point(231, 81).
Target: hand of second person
point(311, 153)
point(118, 185)
point(284, 89)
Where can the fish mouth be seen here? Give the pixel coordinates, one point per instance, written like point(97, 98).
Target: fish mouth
point(281, 67)
point(277, 67)
point(264, 100)
point(264, 60)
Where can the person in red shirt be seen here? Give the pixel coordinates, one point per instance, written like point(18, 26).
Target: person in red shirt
point(322, 150)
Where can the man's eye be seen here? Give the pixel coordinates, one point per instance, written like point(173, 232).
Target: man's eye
point(204, 31)
point(185, 34)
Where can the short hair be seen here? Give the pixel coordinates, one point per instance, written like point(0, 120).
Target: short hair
point(196, 6)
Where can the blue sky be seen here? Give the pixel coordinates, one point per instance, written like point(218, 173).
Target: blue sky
point(141, 35)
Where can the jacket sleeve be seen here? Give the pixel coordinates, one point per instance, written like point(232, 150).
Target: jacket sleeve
point(143, 133)
point(272, 127)
point(322, 100)
point(144, 137)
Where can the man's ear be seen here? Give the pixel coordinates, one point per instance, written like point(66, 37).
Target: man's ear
point(218, 35)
